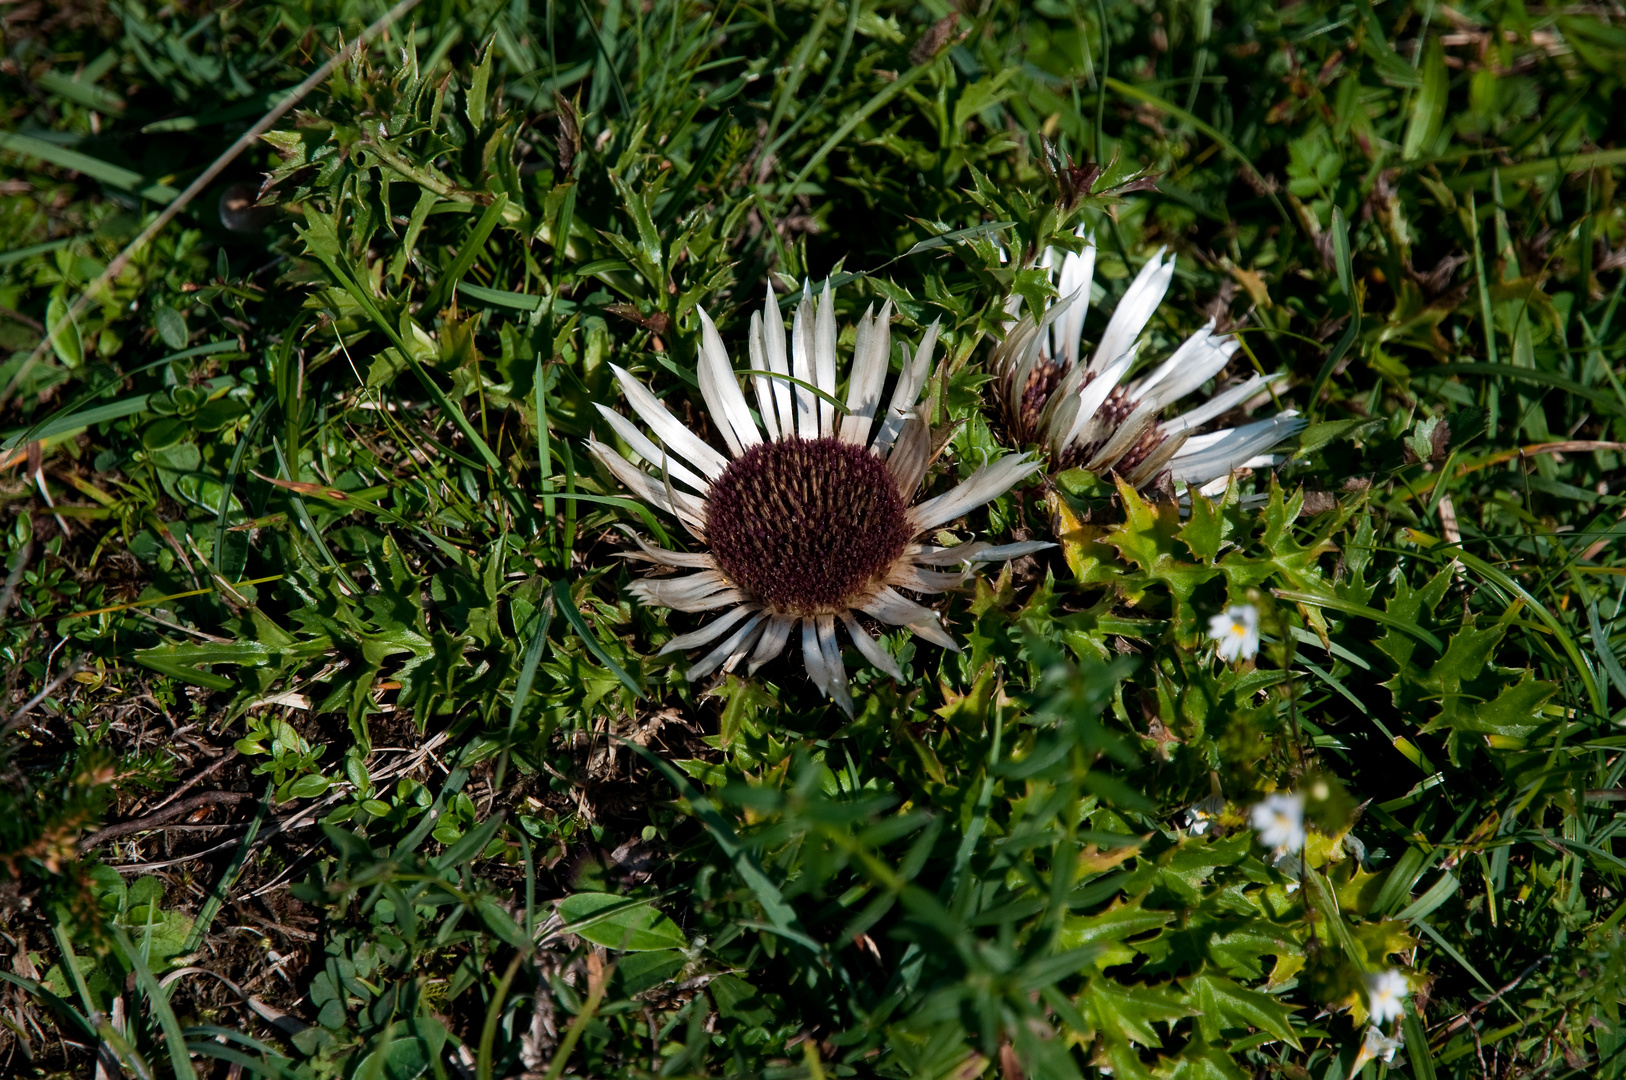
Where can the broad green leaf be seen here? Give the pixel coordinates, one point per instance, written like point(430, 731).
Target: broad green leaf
point(171, 326)
point(737, 999)
point(162, 934)
point(64, 332)
point(500, 922)
point(642, 971)
point(983, 94)
point(619, 923)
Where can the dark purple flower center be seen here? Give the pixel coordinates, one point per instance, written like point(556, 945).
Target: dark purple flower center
point(806, 525)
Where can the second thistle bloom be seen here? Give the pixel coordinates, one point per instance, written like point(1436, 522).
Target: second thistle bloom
point(1085, 413)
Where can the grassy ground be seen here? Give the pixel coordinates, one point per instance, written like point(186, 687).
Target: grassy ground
point(334, 744)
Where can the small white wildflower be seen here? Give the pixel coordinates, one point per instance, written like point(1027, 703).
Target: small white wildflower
point(1355, 847)
point(1375, 1045)
point(1380, 1046)
point(1279, 821)
point(1291, 867)
point(1237, 631)
point(1201, 814)
point(1386, 993)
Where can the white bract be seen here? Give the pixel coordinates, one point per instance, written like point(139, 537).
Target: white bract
point(1279, 822)
point(806, 519)
point(1085, 414)
point(1386, 993)
point(1237, 631)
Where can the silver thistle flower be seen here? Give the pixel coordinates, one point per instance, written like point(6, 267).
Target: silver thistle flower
point(806, 519)
point(1081, 410)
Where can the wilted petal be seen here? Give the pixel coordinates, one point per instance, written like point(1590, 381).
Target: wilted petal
point(708, 633)
point(705, 591)
point(730, 651)
point(1224, 451)
point(870, 355)
point(832, 663)
point(873, 650)
point(906, 392)
point(651, 453)
point(986, 484)
point(774, 636)
point(1135, 310)
point(668, 428)
point(718, 386)
point(824, 359)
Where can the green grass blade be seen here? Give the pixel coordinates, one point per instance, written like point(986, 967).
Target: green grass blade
point(1560, 631)
point(1531, 170)
point(1361, 611)
point(780, 913)
point(454, 783)
point(158, 1002)
point(1225, 144)
point(279, 1067)
point(467, 253)
point(1428, 107)
point(70, 417)
point(67, 1013)
point(63, 158)
point(1417, 1048)
point(228, 876)
point(856, 117)
point(567, 607)
point(442, 402)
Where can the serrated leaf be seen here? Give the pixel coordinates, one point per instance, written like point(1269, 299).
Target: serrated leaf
point(1224, 1005)
point(983, 94)
point(1109, 928)
point(1198, 1062)
point(475, 97)
point(1204, 532)
point(1237, 949)
point(1128, 1012)
point(182, 661)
